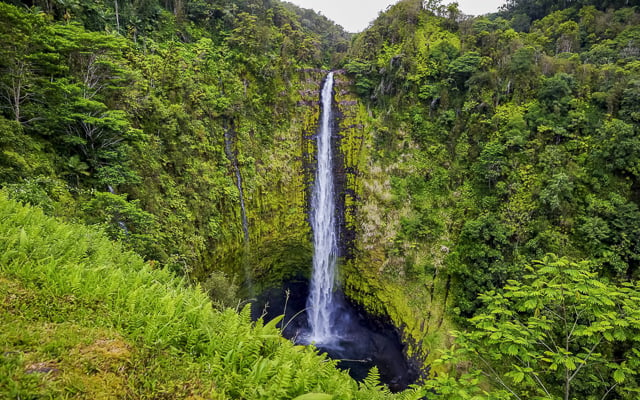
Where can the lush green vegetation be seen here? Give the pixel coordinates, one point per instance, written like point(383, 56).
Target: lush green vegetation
point(82, 318)
point(498, 140)
point(513, 146)
point(135, 115)
point(472, 148)
point(561, 332)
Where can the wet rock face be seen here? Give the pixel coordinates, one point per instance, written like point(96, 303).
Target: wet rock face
point(348, 138)
point(364, 341)
point(345, 233)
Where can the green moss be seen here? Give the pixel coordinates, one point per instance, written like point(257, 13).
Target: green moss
point(275, 184)
point(378, 275)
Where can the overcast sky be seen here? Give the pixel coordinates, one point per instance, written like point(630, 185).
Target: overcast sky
point(355, 15)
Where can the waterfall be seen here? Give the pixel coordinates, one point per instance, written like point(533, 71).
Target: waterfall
point(233, 159)
point(234, 162)
point(320, 303)
point(121, 224)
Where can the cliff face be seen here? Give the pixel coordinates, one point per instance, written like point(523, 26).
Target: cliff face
point(277, 177)
point(277, 197)
point(278, 184)
point(373, 272)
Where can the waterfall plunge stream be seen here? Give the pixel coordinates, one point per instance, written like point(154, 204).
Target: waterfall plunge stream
point(323, 222)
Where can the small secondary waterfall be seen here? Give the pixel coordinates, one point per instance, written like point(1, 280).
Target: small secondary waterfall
point(234, 161)
point(121, 224)
point(320, 303)
point(229, 136)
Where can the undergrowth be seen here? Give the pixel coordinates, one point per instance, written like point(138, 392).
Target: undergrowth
point(82, 318)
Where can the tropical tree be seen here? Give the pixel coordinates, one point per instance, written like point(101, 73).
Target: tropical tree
point(561, 332)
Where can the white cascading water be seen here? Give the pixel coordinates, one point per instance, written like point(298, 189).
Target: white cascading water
point(320, 303)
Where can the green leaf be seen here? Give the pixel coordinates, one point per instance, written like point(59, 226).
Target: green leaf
point(272, 324)
point(618, 376)
point(518, 376)
point(570, 364)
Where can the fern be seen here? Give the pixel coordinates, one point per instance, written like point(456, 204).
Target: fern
point(242, 359)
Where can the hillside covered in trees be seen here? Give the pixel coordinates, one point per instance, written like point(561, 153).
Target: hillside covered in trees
point(497, 143)
point(489, 172)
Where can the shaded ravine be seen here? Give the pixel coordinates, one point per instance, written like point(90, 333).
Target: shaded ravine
point(316, 311)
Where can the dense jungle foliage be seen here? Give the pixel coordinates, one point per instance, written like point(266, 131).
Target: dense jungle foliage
point(136, 116)
point(491, 187)
point(503, 139)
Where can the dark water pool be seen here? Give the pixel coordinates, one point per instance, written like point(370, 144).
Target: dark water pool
point(360, 342)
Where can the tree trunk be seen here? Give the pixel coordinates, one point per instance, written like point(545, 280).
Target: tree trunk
point(117, 17)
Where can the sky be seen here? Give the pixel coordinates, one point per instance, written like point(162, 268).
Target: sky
point(355, 15)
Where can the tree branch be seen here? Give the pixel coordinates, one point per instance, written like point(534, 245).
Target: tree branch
point(609, 391)
point(537, 378)
point(496, 376)
point(584, 362)
point(575, 322)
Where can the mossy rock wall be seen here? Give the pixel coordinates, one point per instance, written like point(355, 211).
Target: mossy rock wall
point(276, 176)
point(277, 181)
point(376, 269)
